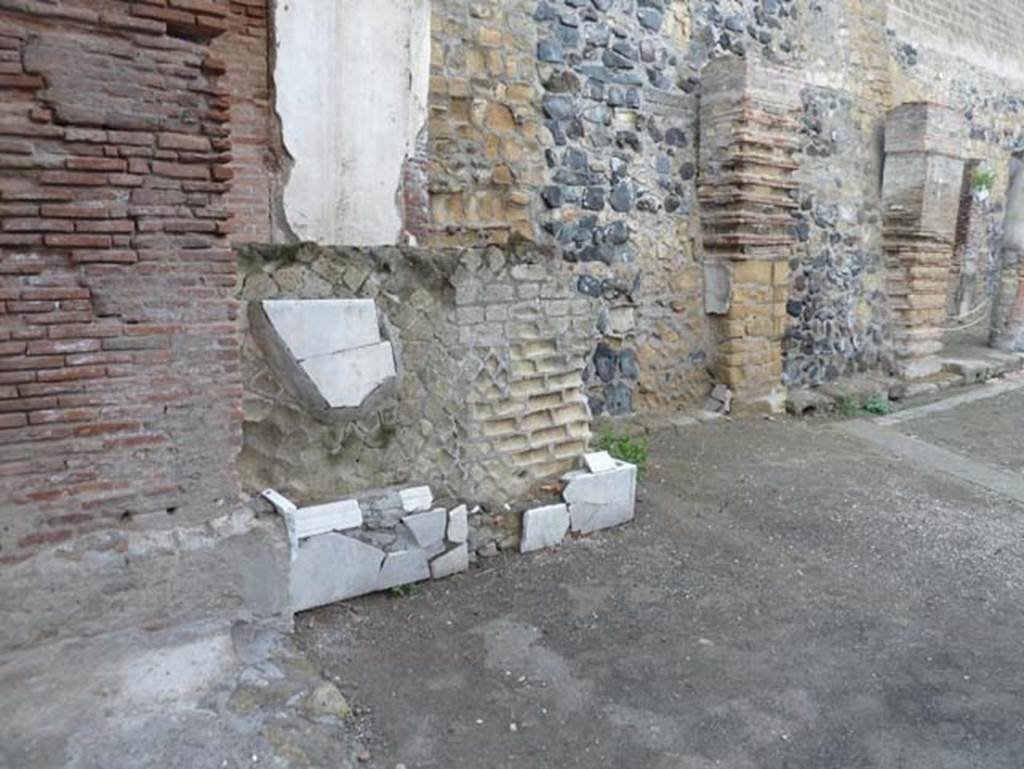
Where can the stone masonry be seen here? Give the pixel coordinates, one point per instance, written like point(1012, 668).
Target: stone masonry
point(613, 208)
point(923, 180)
point(748, 144)
point(490, 346)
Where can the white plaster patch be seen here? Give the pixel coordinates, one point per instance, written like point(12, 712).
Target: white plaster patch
point(351, 91)
point(544, 527)
point(312, 327)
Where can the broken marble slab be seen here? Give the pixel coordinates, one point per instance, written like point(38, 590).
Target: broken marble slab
point(427, 528)
point(544, 527)
point(332, 567)
point(333, 516)
point(599, 461)
point(454, 561)
point(403, 568)
point(458, 524)
point(347, 378)
point(286, 509)
point(416, 499)
point(601, 500)
point(311, 327)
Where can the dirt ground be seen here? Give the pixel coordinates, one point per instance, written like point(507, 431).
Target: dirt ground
point(793, 594)
point(789, 596)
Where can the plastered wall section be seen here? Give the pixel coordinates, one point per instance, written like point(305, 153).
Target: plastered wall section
point(351, 83)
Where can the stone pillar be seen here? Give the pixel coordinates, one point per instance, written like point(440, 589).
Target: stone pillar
point(924, 171)
point(748, 138)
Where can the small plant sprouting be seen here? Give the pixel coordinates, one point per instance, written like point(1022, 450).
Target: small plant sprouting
point(402, 590)
point(848, 407)
point(624, 447)
point(982, 180)
point(877, 404)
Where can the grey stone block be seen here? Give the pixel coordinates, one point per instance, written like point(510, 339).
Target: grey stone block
point(601, 500)
point(452, 562)
point(403, 568)
point(428, 528)
point(544, 527)
point(333, 567)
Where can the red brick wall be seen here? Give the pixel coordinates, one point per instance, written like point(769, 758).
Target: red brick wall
point(244, 49)
point(119, 384)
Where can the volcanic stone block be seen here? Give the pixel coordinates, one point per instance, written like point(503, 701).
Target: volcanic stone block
point(544, 527)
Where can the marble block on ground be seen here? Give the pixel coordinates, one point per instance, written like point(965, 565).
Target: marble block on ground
point(416, 499)
point(599, 461)
point(427, 528)
point(333, 567)
point(544, 527)
point(458, 524)
point(334, 516)
point(403, 568)
point(452, 562)
point(601, 500)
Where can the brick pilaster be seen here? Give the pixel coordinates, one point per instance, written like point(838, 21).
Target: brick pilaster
point(748, 134)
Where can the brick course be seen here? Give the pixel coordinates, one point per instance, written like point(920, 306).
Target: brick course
point(119, 385)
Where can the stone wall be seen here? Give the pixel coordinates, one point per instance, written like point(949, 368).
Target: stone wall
point(120, 392)
point(490, 346)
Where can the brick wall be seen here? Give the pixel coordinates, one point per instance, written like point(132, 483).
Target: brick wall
point(119, 385)
point(982, 30)
point(244, 50)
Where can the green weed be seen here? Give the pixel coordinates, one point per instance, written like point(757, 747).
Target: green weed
point(624, 447)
